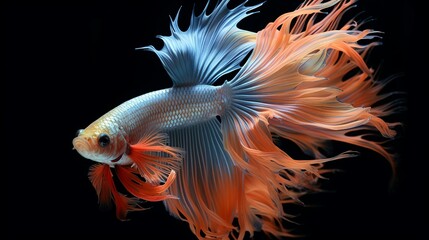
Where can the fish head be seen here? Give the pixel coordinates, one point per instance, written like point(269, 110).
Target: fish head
point(102, 141)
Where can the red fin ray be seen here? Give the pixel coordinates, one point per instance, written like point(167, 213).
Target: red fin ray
point(101, 178)
point(153, 158)
point(154, 161)
point(144, 190)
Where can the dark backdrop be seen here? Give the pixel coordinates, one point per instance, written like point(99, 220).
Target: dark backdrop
point(67, 64)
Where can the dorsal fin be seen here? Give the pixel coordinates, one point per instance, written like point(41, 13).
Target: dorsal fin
point(211, 47)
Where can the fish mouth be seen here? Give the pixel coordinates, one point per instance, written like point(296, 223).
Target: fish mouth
point(81, 145)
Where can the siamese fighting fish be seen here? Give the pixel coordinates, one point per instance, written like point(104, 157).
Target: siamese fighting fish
point(209, 149)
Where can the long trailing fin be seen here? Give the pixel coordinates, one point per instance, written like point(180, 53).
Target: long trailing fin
point(306, 80)
point(212, 45)
point(295, 76)
point(209, 185)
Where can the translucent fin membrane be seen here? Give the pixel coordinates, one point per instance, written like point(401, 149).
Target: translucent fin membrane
point(212, 46)
point(208, 184)
point(153, 157)
point(294, 85)
point(101, 178)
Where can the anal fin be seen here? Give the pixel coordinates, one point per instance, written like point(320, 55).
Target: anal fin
point(208, 185)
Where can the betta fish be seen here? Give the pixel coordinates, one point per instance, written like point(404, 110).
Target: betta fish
point(208, 150)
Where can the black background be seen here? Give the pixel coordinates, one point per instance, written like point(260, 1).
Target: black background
point(67, 64)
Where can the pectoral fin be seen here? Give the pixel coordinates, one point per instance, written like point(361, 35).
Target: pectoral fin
point(153, 158)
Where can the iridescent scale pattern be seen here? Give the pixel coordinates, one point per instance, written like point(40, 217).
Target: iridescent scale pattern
point(167, 109)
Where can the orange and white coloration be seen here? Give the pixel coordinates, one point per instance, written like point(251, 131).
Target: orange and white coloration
point(169, 145)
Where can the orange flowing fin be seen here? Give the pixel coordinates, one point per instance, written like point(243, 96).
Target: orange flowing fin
point(291, 86)
point(124, 205)
point(154, 158)
point(144, 190)
point(296, 75)
point(101, 178)
point(272, 177)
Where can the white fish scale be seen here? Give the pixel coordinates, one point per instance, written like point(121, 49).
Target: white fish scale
point(167, 109)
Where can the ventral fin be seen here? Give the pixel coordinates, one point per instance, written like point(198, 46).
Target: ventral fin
point(144, 190)
point(101, 178)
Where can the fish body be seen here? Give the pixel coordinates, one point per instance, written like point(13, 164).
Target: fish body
point(169, 145)
point(163, 110)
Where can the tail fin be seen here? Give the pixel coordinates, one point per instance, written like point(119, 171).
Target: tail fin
point(293, 85)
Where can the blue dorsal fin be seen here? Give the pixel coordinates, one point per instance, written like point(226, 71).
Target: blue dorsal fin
point(211, 47)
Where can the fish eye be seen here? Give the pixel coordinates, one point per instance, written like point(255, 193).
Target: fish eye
point(103, 140)
point(78, 132)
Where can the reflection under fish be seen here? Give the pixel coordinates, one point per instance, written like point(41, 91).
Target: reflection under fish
point(169, 145)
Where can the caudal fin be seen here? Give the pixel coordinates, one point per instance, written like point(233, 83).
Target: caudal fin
point(294, 85)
